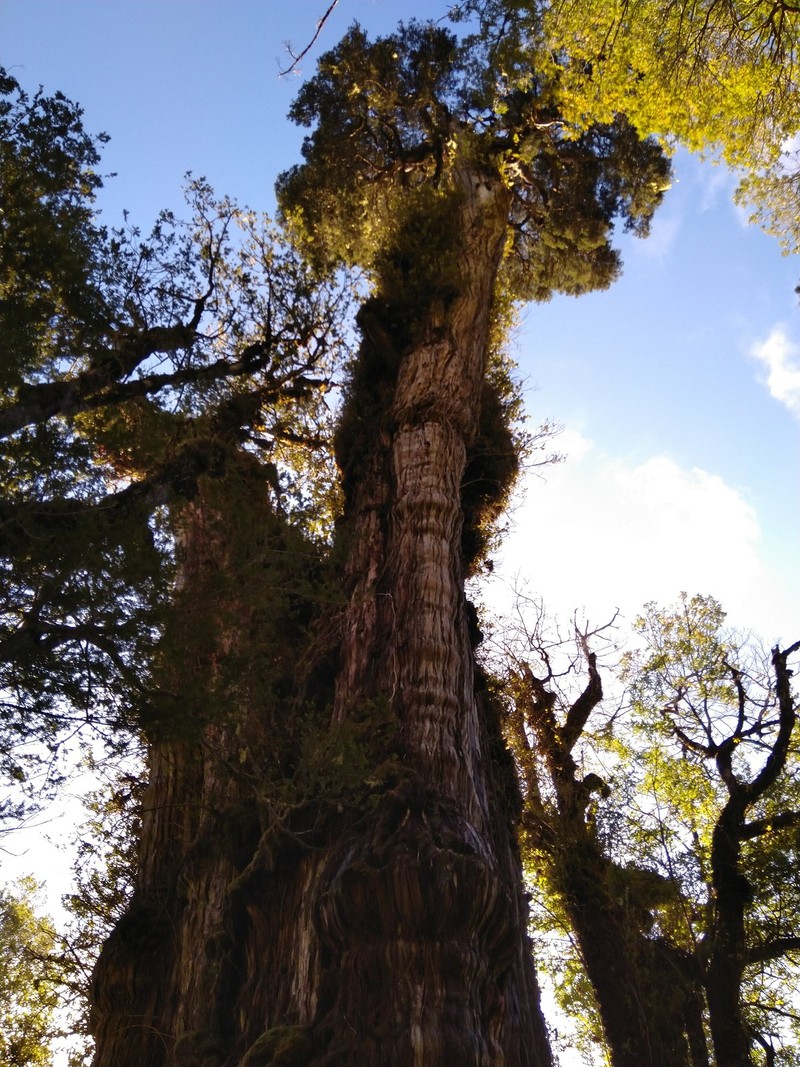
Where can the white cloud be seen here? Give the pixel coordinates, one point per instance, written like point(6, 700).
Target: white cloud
point(600, 533)
point(781, 358)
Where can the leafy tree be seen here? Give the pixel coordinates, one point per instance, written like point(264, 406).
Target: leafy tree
point(131, 366)
point(730, 708)
point(663, 863)
point(28, 979)
point(714, 77)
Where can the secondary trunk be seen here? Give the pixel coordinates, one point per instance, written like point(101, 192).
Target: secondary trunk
point(648, 992)
point(367, 922)
point(732, 1045)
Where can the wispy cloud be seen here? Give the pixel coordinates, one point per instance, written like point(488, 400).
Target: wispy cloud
point(663, 235)
point(781, 359)
point(716, 182)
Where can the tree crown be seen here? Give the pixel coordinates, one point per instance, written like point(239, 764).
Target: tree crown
point(395, 123)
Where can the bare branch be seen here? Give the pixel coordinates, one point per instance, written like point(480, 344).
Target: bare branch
point(300, 56)
point(776, 760)
point(580, 711)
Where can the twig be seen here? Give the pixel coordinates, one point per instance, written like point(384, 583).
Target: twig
point(297, 59)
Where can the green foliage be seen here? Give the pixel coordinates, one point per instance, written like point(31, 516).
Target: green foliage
point(710, 75)
point(692, 755)
point(715, 77)
point(382, 107)
point(773, 197)
point(132, 367)
point(163, 407)
point(694, 671)
point(493, 463)
point(397, 125)
point(240, 643)
point(569, 193)
point(28, 979)
point(50, 247)
point(342, 762)
point(411, 111)
point(281, 1046)
point(697, 690)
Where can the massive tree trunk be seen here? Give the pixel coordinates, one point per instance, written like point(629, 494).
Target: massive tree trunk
point(276, 921)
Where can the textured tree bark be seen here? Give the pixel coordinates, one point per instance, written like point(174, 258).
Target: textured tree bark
point(391, 932)
point(437, 867)
point(166, 970)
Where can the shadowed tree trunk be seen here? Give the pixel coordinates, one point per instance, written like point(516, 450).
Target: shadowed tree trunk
point(648, 992)
point(384, 929)
point(732, 1043)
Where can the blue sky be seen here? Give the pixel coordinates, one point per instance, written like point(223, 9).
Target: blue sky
point(683, 467)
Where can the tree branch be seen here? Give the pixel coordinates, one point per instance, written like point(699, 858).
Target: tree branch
point(580, 711)
point(758, 827)
point(299, 58)
point(772, 950)
point(52, 518)
point(93, 387)
point(776, 760)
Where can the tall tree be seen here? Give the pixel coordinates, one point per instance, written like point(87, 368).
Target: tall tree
point(328, 871)
point(130, 365)
point(327, 867)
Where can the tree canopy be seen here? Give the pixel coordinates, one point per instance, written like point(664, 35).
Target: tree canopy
point(395, 120)
point(132, 365)
point(716, 77)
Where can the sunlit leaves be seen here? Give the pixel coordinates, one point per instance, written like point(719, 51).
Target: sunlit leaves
point(28, 982)
point(706, 687)
point(692, 825)
point(398, 120)
point(712, 814)
point(707, 73)
point(716, 77)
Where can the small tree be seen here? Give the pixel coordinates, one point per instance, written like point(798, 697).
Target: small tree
point(664, 866)
point(29, 992)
